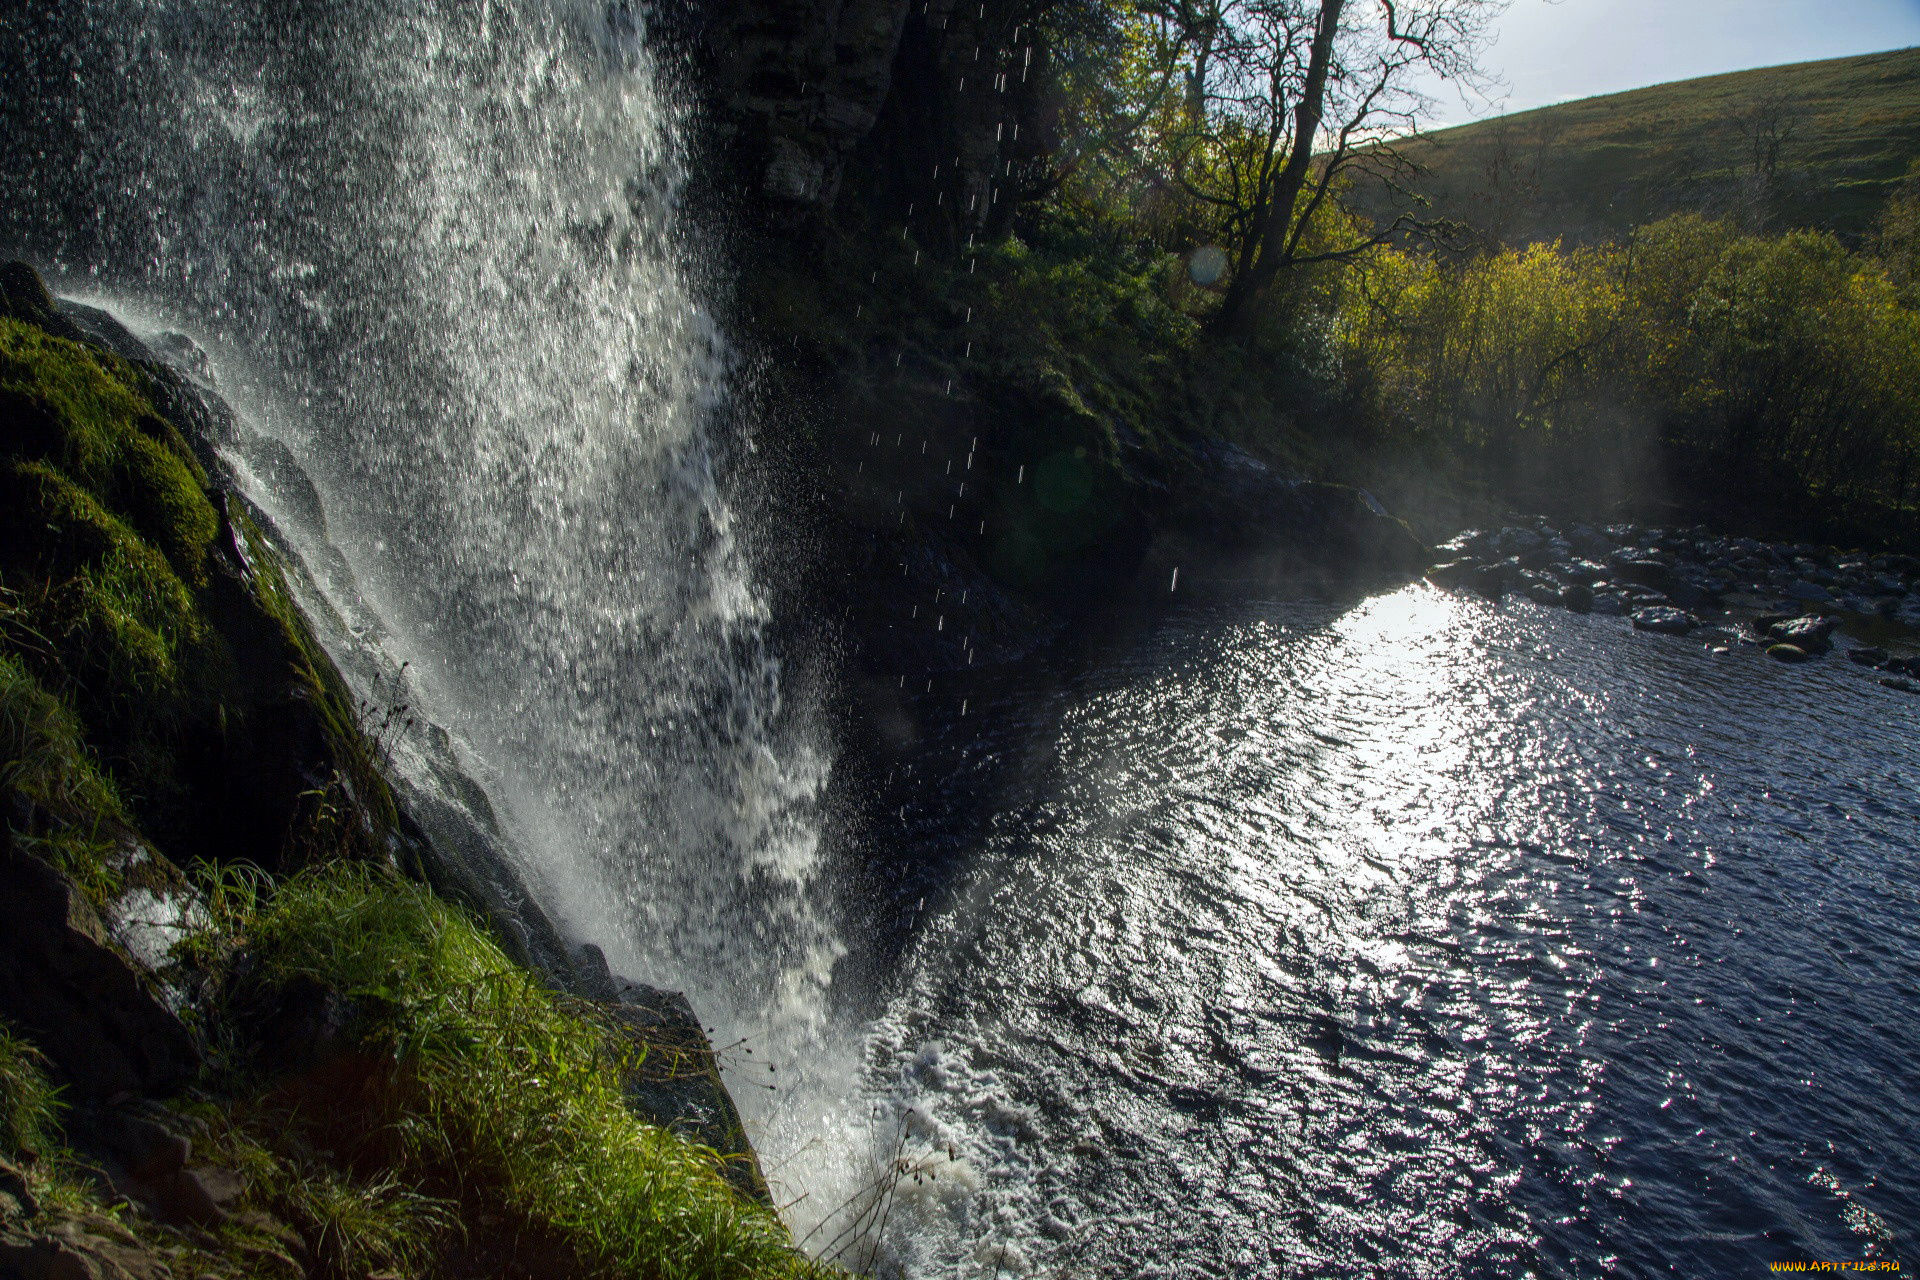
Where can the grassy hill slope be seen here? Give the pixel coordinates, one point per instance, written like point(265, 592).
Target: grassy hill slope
point(1811, 144)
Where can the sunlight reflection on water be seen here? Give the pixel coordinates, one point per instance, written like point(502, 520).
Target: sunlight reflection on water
point(1401, 939)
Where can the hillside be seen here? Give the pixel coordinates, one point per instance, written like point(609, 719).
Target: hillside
point(1811, 144)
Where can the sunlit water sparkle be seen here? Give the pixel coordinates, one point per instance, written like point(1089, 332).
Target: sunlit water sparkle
point(1417, 938)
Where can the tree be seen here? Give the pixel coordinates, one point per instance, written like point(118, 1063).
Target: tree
point(1896, 236)
point(1286, 98)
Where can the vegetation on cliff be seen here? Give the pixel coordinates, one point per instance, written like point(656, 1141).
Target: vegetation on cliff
point(292, 1058)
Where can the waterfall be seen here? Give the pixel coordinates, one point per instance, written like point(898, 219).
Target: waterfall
point(435, 247)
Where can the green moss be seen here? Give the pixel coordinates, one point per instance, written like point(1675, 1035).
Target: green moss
point(105, 530)
point(64, 809)
point(358, 805)
point(112, 603)
point(80, 410)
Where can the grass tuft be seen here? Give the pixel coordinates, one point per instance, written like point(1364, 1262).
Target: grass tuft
point(29, 1105)
point(482, 1086)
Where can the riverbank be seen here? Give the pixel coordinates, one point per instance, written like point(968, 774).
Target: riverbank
point(259, 1020)
point(1790, 600)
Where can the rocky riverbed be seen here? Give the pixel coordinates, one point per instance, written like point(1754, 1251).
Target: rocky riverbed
point(1791, 601)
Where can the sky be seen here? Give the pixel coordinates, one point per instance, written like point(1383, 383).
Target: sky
point(1554, 50)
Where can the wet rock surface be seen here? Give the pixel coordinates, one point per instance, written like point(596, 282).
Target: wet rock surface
point(93, 1007)
point(1791, 600)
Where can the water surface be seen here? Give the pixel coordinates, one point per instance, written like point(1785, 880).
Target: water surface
point(1419, 937)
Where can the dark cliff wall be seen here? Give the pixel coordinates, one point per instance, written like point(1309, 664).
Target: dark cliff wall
point(927, 111)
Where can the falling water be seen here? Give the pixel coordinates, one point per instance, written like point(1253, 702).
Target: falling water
point(435, 247)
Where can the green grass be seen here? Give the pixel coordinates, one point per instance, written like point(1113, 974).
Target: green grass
point(29, 1105)
point(1598, 167)
point(473, 1123)
point(474, 1084)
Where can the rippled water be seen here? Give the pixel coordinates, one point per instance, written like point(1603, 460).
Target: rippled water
point(1415, 938)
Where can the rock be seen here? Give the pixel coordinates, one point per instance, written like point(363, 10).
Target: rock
point(677, 1083)
point(1904, 686)
point(1810, 634)
point(1664, 620)
point(1763, 623)
point(1539, 557)
point(1811, 592)
point(1578, 598)
point(16, 1197)
point(1868, 657)
point(1787, 653)
point(94, 1248)
point(197, 1196)
point(1645, 572)
point(803, 85)
point(300, 1025)
point(1686, 595)
point(24, 297)
point(1541, 593)
point(1568, 572)
point(1465, 546)
point(1589, 542)
point(1903, 666)
point(99, 1018)
point(1608, 605)
point(1452, 574)
point(1489, 580)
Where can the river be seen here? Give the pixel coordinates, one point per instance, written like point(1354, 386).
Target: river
point(1412, 937)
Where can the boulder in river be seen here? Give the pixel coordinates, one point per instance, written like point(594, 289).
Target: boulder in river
point(1488, 580)
point(1868, 657)
point(1542, 593)
point(1665, 620)
point(1811, 592)
point(1812, 634)
point(1645, 571)
point(1904, 686)
point(1577, 597)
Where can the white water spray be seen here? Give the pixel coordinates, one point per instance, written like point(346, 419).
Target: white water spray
point(437, 248)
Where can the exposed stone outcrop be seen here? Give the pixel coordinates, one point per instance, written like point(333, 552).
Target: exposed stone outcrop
point(93, 1009)
point(677, 1083)
point(933, 107)
point(802, 82)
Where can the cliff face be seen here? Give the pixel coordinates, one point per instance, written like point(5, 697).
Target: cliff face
point(929, 111)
